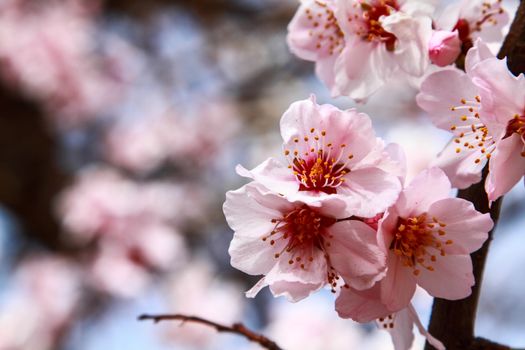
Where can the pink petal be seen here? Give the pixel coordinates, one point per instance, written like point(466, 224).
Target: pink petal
point(449, 17)
point(501, 98)
point(451, 279)
point(294, 291)
point(354, 253)
point(465, 226)
point(252, 292)
point(250, 220)
point(441, 91)
point(506, 167)
point(386, 228)
point(429, 186)
point(413, 35)
point(361, 306)
point(301, 282)
point(462, 168)
point(479, 52)
point(398, 286)
point(373, 188)
point(415, 318)
point(362, 68)
point(400, 327)
point(273, 175)
point(324, 69)
point(349, 129)
point(390, 158)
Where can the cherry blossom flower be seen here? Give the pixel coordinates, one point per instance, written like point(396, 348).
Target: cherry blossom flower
point(474, 19)
point(333, 153)
point(428, 237)
point(359, 45)
point(503, 111)
point(453, 102)
point(488, 120)
point(444, 47)
point(382, 39)
point(299, 247)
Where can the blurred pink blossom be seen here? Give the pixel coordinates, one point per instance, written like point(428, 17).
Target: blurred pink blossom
point(192, 137)
point(134, 225)
point(48, 50)
point(196, 290)
point(39, 305)
point(315, 326)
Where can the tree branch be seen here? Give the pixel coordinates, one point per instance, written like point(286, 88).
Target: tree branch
point(236, 328)
point(514, 45)
point(453, 322)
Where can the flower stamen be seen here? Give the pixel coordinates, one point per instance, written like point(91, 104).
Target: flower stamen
point(414, 240)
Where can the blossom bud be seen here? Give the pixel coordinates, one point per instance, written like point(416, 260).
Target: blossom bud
point(444, 47)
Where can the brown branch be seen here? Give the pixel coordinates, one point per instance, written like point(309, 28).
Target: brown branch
point(453, 322)
point(236, 328)
point(30, 174)
point(514, 45)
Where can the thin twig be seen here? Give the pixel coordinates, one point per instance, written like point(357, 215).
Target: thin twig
point(236, 328)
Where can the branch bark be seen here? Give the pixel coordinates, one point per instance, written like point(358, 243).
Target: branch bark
point(30, 175)
point(453, 322)
point(236, 328)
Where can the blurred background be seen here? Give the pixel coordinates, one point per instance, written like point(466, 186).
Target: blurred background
point(121, 124)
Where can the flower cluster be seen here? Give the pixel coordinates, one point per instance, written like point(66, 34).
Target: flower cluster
point(47, 51)
point(337, 215)
point(484, 108)
point(358, 45)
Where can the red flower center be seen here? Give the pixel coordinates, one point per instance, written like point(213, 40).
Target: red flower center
point(375, 31)
point(301, 227)
point(487, 15)
point(318, 164)
point(517, 126)
point(298, 234)
point(319, 173)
